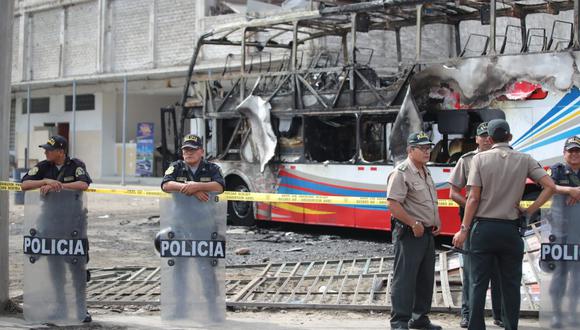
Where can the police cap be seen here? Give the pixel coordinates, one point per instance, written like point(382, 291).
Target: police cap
point(482, 129)
point(418, 138)
point(192, 141)
point(498, 129)
point(572, 142)
point(55, 142)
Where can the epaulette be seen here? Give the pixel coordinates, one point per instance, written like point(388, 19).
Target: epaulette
point(467, 154)
point(402, 167)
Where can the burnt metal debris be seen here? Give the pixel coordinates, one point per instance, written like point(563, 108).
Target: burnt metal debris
point(315, 91)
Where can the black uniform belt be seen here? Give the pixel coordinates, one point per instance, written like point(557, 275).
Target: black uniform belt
point(506, 221)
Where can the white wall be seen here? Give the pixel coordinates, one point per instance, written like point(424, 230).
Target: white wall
point(88, 126)
point(141, 108)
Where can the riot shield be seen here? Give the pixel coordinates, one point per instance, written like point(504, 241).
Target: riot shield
point(56, 251)
point(192, 247)
point(560, 265)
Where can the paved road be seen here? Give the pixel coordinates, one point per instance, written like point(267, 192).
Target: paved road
point(260, 320)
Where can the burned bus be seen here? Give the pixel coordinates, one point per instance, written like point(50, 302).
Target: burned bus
point(316, 102)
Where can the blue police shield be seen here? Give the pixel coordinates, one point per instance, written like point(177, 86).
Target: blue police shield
point(56, 250)
point(560, 265)
point(192, 248)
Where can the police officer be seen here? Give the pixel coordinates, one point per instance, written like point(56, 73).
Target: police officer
point(496, 181)
point(458, 180)
point(566, 230)
point(193, 175)
point(412, 199)
point(58, 171)
point(54, 174)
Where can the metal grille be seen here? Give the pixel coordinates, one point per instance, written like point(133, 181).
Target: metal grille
point(333, 284)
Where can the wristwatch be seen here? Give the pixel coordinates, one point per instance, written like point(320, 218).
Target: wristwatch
point(464, 228)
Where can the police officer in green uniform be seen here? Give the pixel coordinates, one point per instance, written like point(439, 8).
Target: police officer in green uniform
point(565, 280)
point(458, 181)
point(412, 200)
point(193, 175)
point(54, 174)
point(496, 181)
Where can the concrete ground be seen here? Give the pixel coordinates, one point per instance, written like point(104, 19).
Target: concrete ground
point(286, 319)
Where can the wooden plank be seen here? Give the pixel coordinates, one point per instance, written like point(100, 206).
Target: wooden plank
point(444, 279)
point(326, 287)
point(341, 288)
point(357, 288)
point(300, 282)
point(339, 267)
point(367, 265)
point(313, 285)
point(153, 273)
point(372, 293)
point(388, 290)
point(137, 273)
point(294, 270)
point(259, 279)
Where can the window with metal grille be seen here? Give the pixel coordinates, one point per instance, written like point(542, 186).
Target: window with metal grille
point(84, 102)
point(37, 105)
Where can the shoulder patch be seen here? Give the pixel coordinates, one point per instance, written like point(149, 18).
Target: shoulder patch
point(33, 171)
point(170, 170)
point(79, 171)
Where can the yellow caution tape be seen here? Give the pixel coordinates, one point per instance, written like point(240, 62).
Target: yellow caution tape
point(258, 197)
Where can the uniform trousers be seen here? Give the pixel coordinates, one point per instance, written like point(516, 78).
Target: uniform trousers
point(495, 239)
point(413, 276)
point(495, 287)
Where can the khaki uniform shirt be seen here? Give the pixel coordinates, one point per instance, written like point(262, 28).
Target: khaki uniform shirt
point(460, 172)
point(416, 193)
point(501, 173)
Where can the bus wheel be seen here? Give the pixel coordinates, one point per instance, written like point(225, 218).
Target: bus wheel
point(240, 213)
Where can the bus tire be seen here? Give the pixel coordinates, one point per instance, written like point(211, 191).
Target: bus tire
point(240, 213)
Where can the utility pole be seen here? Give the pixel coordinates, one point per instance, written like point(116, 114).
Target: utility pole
point(6, 17)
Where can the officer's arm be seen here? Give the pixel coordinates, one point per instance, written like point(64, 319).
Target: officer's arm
point(549, 187)
point(471, 205)
point(456, 195)
point(33, 184)
point(574, 192)
point(210, 187)
point(172, 186)
point(77, 185)
point(399, 212)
